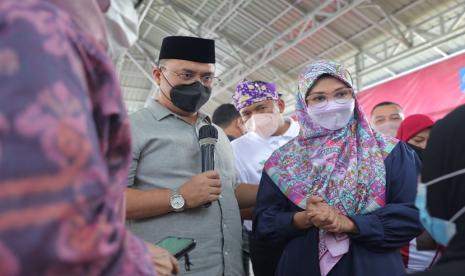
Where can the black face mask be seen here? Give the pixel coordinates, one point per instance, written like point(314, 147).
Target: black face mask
point(190, 97)
point(418, 150)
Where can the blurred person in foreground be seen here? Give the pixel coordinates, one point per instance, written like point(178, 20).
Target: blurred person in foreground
point(64, 146)
point(440, 196)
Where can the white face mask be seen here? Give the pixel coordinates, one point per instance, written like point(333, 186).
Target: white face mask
point(388, 128)
point(122, 22)
point(334, 115)
point(264, 124)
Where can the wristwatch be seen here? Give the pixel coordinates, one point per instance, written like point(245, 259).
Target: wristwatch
point(177, 202)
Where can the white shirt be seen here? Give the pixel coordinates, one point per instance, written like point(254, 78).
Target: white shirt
point(419, 260)
point(251, 152)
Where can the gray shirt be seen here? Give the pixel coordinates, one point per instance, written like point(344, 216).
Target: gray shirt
point(165, 154)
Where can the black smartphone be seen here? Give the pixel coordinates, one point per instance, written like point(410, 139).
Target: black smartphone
point(177, 246)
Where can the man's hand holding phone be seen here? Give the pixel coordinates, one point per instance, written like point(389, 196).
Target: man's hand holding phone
point(165, 263)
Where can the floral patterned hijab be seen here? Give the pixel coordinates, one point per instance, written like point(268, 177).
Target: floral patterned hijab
point(345, 167)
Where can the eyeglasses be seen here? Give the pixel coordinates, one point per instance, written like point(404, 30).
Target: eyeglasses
point(207, 79)
point(320, 100)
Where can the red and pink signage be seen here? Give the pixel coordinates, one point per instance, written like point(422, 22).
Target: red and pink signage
point(434, 90)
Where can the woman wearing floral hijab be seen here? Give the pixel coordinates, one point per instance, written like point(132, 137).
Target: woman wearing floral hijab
point(341, 195)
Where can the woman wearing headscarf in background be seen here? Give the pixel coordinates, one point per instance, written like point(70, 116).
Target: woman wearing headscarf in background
point(64, 146)
point(339, 194)
point(414, 131)
point(442, 200)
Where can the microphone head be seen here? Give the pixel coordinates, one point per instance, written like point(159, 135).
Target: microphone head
point(208, 131)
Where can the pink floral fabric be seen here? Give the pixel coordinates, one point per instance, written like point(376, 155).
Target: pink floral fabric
point(345, 167)
point(64, 150)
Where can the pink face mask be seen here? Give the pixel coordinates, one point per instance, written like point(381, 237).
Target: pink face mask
point(264, 124)
point(334, 115)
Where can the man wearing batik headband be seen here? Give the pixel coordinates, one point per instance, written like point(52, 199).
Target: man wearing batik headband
point(339, 194)
point(261, 109)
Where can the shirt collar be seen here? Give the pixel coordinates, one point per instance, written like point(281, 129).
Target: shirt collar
point(160, 112)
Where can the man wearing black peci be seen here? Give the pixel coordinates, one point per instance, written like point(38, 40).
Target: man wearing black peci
point(167, 193)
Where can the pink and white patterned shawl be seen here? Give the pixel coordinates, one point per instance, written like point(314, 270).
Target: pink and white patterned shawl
point(345, 167)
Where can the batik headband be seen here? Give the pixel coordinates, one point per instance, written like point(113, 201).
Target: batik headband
point(250, 92)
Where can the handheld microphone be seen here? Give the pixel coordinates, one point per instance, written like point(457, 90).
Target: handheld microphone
point(208, 136)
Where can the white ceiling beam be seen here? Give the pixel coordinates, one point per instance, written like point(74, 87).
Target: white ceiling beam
point(401, 35)
point(366, 54)
point(152, 22)
point(416, 49)
point(133, 101)
point(246, 14)
point(395, 22)
point(186, 24)
point(180, 13)
point(200, 7)
point(119, 66)
point(400, 11)
point(346, 41)
point(228, 54)
point(141, 68)
point(349, 39)
point(401, 39)
point(416, 68)
point(144, 13)
point(135, 94)
point(235, 50)
point(221, 36)
point(357, 48)
point(433, 41)
point(458, 20)
point(222, 12)
point(146, 55)
point(285, 41)
point(286, 83)
point(267, 27)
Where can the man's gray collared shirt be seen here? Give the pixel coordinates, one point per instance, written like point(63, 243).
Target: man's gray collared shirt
point(166, 154)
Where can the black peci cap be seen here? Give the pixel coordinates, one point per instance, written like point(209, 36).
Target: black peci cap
point(188, 48)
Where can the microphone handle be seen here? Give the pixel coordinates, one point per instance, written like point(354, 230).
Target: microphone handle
point(208, 162)
point(208, 157)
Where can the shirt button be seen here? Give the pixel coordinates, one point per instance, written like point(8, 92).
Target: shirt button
point(221, 196)
point(224, 225)
point(226, 253)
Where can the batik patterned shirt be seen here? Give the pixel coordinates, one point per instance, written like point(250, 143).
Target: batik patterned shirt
point(64, 150)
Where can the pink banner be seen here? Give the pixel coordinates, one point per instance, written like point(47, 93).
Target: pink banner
point(434, 90)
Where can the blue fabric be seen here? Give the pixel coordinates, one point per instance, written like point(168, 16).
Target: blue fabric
point(462, 79)
point(373, 251)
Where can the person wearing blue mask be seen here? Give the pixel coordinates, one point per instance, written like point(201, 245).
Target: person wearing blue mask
point(441, 199)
